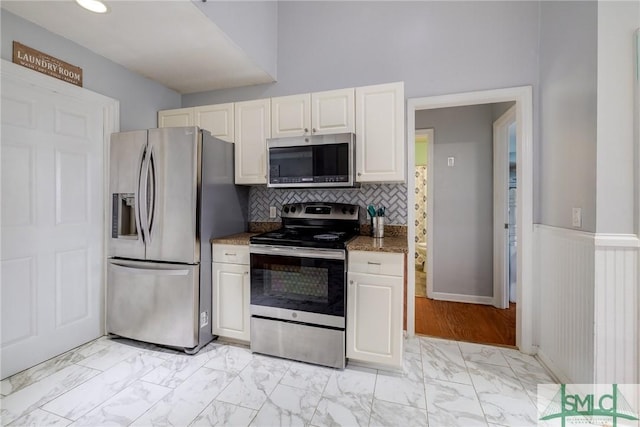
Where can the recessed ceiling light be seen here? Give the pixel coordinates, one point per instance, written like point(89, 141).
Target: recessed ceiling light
point(93, 5)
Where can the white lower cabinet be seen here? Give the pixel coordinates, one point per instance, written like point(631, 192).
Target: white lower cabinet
point(374, 307)
point(230, 292)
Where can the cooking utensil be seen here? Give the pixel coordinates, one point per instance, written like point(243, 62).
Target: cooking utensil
point(371, 210)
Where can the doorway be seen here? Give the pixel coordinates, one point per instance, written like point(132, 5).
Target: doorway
point(523, 210)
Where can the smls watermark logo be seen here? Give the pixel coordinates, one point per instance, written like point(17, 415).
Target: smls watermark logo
point(588, 405)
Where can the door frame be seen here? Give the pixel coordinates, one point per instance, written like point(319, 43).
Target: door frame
point(501, 206)
point(111, 123)
point(523, 98)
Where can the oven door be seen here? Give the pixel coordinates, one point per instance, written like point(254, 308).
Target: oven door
point(298, 284)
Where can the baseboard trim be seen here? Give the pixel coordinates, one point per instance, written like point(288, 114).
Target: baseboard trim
point(552, 369)
point(470, 299)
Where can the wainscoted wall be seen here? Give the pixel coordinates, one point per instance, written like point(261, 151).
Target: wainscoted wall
point(588, 305)
point(420, 208)
point(616, 309)
point(565, 266)
point(392, 196)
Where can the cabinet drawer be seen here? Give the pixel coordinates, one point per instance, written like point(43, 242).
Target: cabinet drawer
point(234, 254)
point(385, 263)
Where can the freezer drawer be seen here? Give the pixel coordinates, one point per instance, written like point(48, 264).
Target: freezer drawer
point(153, 302)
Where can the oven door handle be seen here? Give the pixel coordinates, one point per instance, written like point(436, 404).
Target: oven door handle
point(298, 252)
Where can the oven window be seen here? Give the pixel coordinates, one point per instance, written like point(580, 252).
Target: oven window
point(305, 284)
point(298, 282)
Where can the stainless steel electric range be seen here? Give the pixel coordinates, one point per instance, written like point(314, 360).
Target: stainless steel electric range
point(298, 283)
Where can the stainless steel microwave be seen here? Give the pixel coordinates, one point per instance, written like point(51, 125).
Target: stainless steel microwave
point(311, 161)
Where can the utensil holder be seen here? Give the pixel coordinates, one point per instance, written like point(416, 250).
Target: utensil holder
point(378, 227)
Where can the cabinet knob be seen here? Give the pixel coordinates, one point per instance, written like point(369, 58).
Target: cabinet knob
point(313, 130)
point(246, 273)
point(306, 130)
point(351, 282)
point(359, 174)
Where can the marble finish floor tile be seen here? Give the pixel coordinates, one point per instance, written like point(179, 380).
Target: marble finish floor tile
point(41, 392)
point(453, 404)
point(183, 405)
point(39, 417)
point(121, 383)
point(392, 414)
point(287, 406)
point(224, 414)
point(126, 406)
point(482, 353)
point(77, 402)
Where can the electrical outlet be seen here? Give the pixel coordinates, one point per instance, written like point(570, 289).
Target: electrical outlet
point(576, 217)
point(204, 319)
point(272, 212)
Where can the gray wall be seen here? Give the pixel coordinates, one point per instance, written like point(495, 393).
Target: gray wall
point(463, 198)
point(434, 47)
point(140, 98)
point(618, 175)
point(567, 153)
point(252, 25)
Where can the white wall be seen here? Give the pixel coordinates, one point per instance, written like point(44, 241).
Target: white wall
point(567, 149)
point(252, 25)
point(434, 47)
point(140, 98)
point(617, 173)
point(463, 198)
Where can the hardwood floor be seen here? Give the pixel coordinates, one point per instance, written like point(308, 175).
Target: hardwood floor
point(466, 322)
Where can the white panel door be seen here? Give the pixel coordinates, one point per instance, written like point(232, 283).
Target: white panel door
point(380, 133)
point(374, 322)
point(231, 301)
point(52, 221)
point(252, 128)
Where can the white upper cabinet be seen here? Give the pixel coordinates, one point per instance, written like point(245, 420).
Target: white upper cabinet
point(291, 115)
point(380, 123)
point(317, 113)
point(252, 128)
point(333, 111)
point(175, 118)
point(217, 119)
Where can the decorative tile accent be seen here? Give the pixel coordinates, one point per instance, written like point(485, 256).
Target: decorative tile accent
point(392, 196)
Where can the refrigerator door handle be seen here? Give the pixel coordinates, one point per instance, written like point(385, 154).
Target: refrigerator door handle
point(153, 179)
point(143, 195)
point(146, 270)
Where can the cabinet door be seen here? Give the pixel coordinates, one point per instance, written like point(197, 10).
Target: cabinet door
point(217, 119)
point(291, 115)
point(380, 133)
point(374, 319)
point(333, 111)
point(231, 301)
point(252, 128)
point(175, 118)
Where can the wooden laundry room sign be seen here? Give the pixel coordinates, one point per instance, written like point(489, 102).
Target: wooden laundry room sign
point(46, 64)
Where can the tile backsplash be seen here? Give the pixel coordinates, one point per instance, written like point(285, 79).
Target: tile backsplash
point(392, 196)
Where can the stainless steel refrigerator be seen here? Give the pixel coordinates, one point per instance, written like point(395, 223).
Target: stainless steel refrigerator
point(172, 190)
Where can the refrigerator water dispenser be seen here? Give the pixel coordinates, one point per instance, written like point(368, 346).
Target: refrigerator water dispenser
point(123, 217)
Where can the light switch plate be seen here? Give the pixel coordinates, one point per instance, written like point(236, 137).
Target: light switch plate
point(451, 161)
point(576, 217)
point(272, 212)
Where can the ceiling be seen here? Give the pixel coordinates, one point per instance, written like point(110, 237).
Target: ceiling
point(171, 42)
